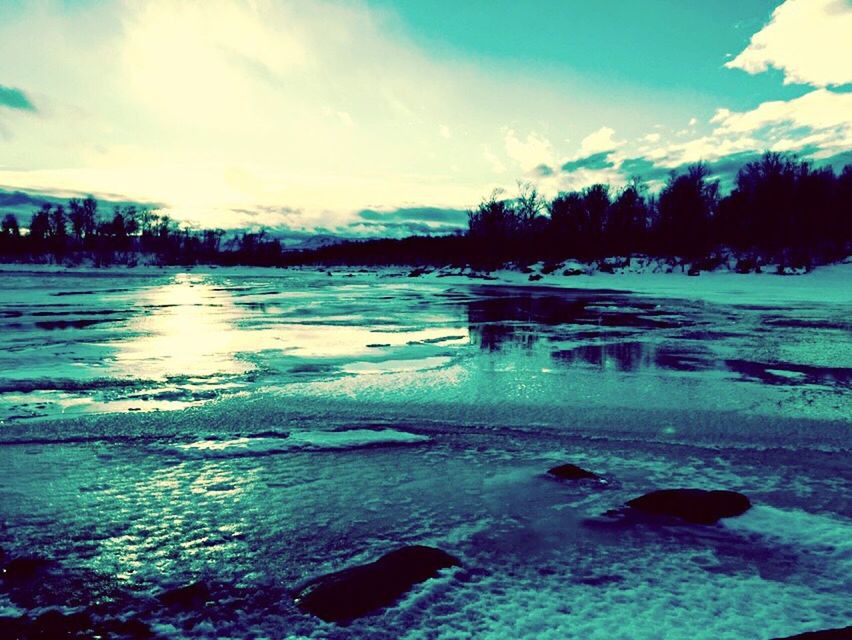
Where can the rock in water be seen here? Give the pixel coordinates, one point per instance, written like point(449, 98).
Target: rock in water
point(192, 596)
point(357, 591)
point(693, 505)
point(571, 472)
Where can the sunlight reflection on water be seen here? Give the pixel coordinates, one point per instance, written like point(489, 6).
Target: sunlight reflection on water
point(189, 332)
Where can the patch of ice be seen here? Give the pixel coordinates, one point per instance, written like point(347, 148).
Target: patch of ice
point(830, 535)
point(388, 366)
point(353, 438)
point(784, 373)
point(310, 440)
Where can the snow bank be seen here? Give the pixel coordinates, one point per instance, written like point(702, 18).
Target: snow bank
point(831, 283)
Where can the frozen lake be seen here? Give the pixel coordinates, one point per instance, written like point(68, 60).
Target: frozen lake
point(253, 429)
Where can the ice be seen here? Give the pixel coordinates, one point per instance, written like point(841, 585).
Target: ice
point(252, 429)
point(310, 440)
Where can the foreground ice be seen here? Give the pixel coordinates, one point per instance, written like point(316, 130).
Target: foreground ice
point(326, 420)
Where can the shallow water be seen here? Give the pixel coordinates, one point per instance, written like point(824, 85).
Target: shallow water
point(255, 429)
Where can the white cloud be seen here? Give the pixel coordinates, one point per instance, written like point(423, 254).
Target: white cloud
point(445, 132)
point(821, 117)
point(601, 140)
point(529, 152)
point(810, 40)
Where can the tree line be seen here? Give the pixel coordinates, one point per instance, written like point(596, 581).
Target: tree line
point(78, 229)
point(780, 209)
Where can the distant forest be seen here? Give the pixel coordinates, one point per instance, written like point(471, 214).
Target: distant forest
point(781, 209)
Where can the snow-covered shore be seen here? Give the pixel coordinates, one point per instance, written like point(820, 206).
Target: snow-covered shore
point(828, 283)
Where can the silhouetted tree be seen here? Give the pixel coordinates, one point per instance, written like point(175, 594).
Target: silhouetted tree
point(687, 204)
point(627, 221)
point(10, 235)
point(83, 217)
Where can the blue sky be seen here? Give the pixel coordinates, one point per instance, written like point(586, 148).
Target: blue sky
point(328, 115)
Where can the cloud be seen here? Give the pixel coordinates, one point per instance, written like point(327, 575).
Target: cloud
point(15, 99)
point(530, 152)
point(596, 161)
point(544, 171)
point(822, 118)
point(601, 140)
point(24, 203)
point(809, 40)
point(434, 215)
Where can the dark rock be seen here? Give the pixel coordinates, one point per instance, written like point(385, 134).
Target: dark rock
point(55, 624)
point(693, 505)
point(829, 634)
point(571, 472)
point(21, 570)
point(535, 276)
point(131, 629)
point(357, 591)
point(192, 596)
point(13, 627)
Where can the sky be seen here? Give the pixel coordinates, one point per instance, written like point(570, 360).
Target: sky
point(394, 116)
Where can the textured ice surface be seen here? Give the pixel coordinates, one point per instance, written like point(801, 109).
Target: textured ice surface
point(313, 440)
point(323, 421)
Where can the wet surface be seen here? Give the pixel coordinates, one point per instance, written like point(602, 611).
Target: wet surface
point(175, 340)
point(319, 423)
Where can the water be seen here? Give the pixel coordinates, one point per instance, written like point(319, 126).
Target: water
point(254, 429)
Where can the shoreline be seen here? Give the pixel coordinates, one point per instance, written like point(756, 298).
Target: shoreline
point(830, 283)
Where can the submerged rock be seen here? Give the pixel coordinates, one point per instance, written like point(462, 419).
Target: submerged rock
point(357, 591)
point(55, 625)
point(827, 634)
point(571, 472)
point(24, 569)
point(693, 505)
point(192, 596)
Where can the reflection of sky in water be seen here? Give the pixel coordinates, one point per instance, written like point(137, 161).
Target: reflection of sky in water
point(197, 329)
point(181, 339)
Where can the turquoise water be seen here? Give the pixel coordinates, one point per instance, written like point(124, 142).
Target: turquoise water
point(252, 430)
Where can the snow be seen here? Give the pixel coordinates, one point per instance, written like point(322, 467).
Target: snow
point(830, 284)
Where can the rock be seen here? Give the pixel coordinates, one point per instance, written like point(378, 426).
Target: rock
point(693, 505)
point(571, 472)
point(21, 570)
point(192, 596)
point(54, 624)
point(357, 591)
point(535, 276)
point(828, 634)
